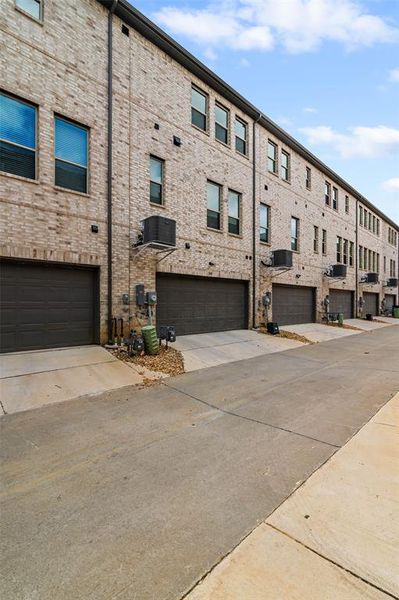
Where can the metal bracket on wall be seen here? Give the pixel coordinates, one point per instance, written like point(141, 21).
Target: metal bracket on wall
point(157, 247)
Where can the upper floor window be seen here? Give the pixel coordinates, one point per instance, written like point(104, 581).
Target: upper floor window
point(17, 137)
point(327, 193)
point(361, 215)
point(361, 257)
point(71, 155)
point(241, 131)
point(285, 165)
point(156, 180)
point(351, 253)
point(335, 198)
point(378, 227)
point(264, 223)
point(214, 194)
point(31, 7)
point(315, 239)
point(346, 250)
point(221, 124)
point(199, 109)
point(324, 242)
point(347, 204)
point(339, 249)
point(272, 157)
point(234, 212)
point(308, 180)
point(294, 233)
point(392, 236)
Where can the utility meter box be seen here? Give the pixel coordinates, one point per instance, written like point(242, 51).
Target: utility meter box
point(151, 298)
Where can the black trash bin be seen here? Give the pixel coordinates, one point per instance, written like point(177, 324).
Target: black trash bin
point(273, 328)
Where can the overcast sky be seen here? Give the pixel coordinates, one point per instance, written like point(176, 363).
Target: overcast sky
point(327, 71)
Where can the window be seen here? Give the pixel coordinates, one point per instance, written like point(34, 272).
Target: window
point(264, 223)
point(315, 239)
point(365, 218)
point(285, 166)
point(378, 263)
point(365, 261)
point(378, 227)
point(17, 137)
point(240, 129)
point(234, 212)
point(199, 109)
point(374, 225)
point(370, 260)
point(360, 257)
point(335, 198)
point(347, 205)
point(385, 264)
point(351, 253)
point(221, 124)
point(392, 268)
point(294, 234)
point(339, 249)
point(272, 157)
point(308, 180)
point(346, 248)
point(392, 236)
point(214, 192)
point(324, 242)
point(361, 215)
point(71, 151)
point(156, 180)
point(327, 193)
point(31, 7)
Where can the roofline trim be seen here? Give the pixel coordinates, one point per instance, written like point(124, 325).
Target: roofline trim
point(133, 17)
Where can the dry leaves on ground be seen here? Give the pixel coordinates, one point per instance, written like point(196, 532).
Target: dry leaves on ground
point(289, 335)
point(168, 360)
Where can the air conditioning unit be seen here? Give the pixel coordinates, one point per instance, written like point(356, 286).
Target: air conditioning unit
point(159, 230)
point(372, 278)
point(392, 282)
point(339, 271)
point(282, 258)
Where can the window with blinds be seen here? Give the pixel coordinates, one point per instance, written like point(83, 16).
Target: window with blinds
point(17, 137)
point(71, 155)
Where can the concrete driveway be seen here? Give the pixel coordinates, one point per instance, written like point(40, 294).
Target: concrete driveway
point(213, 349)
point(32, 379)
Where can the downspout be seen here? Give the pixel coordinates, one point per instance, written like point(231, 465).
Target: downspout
point(109, 172)
point(357, 260)
point(254, 236)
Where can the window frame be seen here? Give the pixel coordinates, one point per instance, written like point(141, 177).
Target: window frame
point(339, 249)
point(295, 239)
point(219, 212)
point(324, 242)
point(285, 169)
point(315, 239)
point(351, 254)
point(162, 184)
point(327, 193)
point(308, 178)
point(267, 228)
point(345, 252)
point(346, 204)
point(274, 160)
point(85, 128)
point(38, 19)
point(239, 218)
point(227, 128)
point(205, 114)
point(36, 128)
point(237, 119)
point(334, 199)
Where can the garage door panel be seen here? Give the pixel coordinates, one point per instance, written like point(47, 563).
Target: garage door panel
point(341, 301)
point(201, 305)
point(292, 305)
point(390, 301)
point(46, 306)
point(371, 303)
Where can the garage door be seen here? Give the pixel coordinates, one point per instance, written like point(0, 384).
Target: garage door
point(390, 301)
point(341, 301)
point(47, 306)
point(293, 304)
point(200, 305)
point(370, 304)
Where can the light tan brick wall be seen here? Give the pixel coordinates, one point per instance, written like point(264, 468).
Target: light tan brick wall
point(62, 66)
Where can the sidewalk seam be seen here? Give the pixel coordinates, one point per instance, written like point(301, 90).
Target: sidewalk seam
point(330, 560)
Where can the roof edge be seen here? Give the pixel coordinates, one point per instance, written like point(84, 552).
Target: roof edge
point(133, 17)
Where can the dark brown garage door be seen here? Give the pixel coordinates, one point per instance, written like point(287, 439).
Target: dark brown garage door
point(390, 301)
point(47, 306)
point(341, 301)
point(370, 304)
point(292, 305)
point(200, 305)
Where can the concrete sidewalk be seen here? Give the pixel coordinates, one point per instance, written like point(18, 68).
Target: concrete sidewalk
point(335, 538)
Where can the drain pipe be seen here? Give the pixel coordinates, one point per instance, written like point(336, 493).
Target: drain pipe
point(357, 261)
point(109, 172)
point(254, 236)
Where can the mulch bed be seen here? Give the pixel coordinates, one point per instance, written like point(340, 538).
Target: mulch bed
point(168, 360)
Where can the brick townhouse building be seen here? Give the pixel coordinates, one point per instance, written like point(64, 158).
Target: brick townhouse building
point(106, 121)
